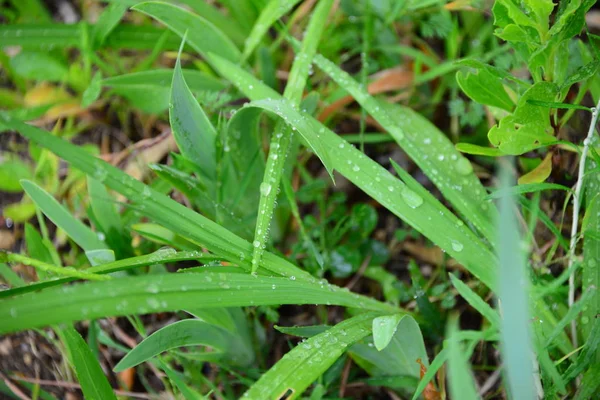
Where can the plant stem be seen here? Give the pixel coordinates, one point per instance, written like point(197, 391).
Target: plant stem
point(576, 203)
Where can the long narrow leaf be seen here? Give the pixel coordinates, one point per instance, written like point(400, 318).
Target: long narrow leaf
point(171, 292)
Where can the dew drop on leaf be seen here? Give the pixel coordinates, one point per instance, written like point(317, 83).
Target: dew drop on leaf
point(411, 198)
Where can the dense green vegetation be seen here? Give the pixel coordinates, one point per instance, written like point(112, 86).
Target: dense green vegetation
point(272, 199)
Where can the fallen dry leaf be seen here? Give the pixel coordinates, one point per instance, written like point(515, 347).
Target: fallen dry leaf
point(430, 392)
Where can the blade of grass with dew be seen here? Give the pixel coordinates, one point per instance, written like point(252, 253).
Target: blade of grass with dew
point(274, 10)
point(204, 37)
point(188, 332)
point(460, 380)
point(475, 301)
point(169, 292)
point(95, 249)
point(449, 170)
point(89, 373)
point(162, 79)
point(158, 207)
point(591, 264)
point(438, 224)
point(192, 130)
point(161, 256)
point(42, 266)
point(516, 349)
point(282, 136)
point(301, 366)
point(580, 305)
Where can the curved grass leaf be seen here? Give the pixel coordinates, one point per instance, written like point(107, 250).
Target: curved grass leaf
point(42, 266)
point(107, 21)
point(192, 130)
point(188, 332)
point(175, 377)
point(161, 79)
point(525, 188)
point(384, 329)
point(449, 170)
point(430, 218)
point(161, 256)
point(282, 139)
point(93, 382)
point(80, 233)
point(296, 370)
point(204, 37)
point(171, 292)
point(274, 10)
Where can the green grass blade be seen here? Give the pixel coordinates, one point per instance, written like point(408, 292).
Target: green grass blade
point(203, 36)
point(160, 208)
point(175, 377)
point(171, 292)
point(42, 266)
point(80, 233)
point(475, 301)
point(161, 256)
point(161, 79)
point(107, 21)
point(89, 373)
point(296, 370)
point(449, 170)
point(189, 332)
point(439, 225)
point(59, 36)
point(192, 130)
point(223, 22)
point(591, 266)
point(516, 349)
point(462, 385)
point(282, 137)
point(274, 10)
point(526, 188)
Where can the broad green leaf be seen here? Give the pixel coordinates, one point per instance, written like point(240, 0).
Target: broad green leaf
point(429, 218)
point(107, 21)
point(162, 256)
point(170, 292)
point(39, 66)
point(282, 139)
point(448, 169)
point(485, 88)
point(80, 233)
point(591, 263)
point(529, 127)
point(92, 92)
point(552, 104)
point(274, 10)
point(584, 72)
point(460, 380)
point(540, 173)
point(301, 366)
point(571, 20)
point(192, 130)
point(384, 329)
point(400, 355)
point(203, 36)
point(475, 301)
point(93, 382)
point(11, 172)
point(513, 295)
point(188, 332)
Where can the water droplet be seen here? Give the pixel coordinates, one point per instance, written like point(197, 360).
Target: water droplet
point(411, 198)
point(585, 320)
point(256, 244)
point(356, 168)
point(457, 246)
point(463, 166)
point(265, 188)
